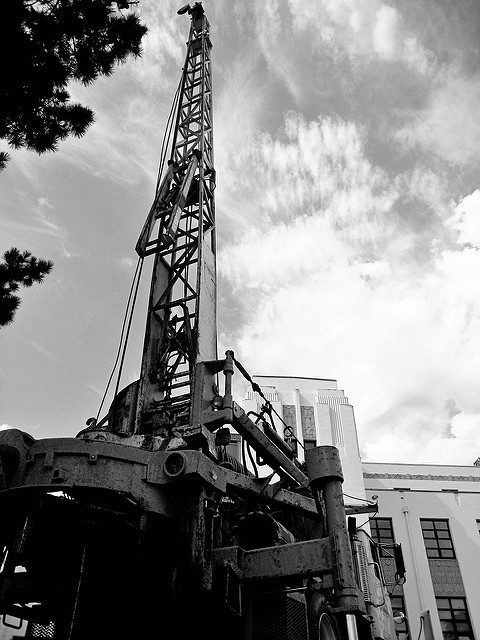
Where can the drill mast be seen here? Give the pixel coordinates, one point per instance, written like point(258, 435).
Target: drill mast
point(181, 322)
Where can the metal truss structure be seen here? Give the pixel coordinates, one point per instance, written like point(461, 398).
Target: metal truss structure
point(181, 322)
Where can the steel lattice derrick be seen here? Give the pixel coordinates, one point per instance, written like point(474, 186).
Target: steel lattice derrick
point(181, 321)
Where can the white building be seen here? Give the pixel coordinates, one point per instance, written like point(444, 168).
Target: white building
point(432, 510)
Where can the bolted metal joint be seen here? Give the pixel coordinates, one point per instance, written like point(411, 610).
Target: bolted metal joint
point(323, 464)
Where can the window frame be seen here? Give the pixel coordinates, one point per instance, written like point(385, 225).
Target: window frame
point(452, 620)
point(387, 551)
point(402, 630)
point(438, 543)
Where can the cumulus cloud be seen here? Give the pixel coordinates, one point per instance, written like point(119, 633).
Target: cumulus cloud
point(335, 299)
point(460, 446)
point(466, 219)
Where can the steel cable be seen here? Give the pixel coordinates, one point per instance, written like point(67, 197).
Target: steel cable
point(138, 269)
point(132, 287)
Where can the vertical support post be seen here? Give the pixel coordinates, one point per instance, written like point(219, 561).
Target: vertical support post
point(199, 538)
point(325, 474)
point(427, 625)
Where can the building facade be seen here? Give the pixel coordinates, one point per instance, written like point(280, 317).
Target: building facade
point(432, 510)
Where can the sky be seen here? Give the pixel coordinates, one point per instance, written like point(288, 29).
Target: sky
point(347, 150)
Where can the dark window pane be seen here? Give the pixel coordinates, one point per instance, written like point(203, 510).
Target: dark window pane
point(443, 534)
point(463, 627)
point(445, 615)
point(443, 603)
point(433, 553)
point(447, 553)
point(427, 524)
point(457, 603)
point(431, 544)
point(445, 544)
point(428, 534)
point(447, 626)
point(460, 615)
point(441, 525)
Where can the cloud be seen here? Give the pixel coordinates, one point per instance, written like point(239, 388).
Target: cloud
point(128, 107)
point(237, 106)
point(162, 45)
point(461, 446)
point(430, 188)
point(466, 219)
point(39, 224)
point(40, 349)
point(362, 28)
point(42, 212)
point(337, 283)
point(318, 166)
point(450, 125)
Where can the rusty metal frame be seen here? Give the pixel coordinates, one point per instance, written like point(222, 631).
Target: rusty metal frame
point(295, 560)
point(181, 319)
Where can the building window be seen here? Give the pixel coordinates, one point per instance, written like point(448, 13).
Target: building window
point(398, 604)
point(382, 533)
point(309, 444)
point(437, 538)
point(454, 619)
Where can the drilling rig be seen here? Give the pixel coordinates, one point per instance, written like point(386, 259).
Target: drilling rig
point(144, 525)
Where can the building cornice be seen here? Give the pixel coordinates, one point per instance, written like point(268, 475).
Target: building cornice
point(417, 476)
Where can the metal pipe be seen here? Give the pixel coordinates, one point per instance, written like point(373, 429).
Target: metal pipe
point(334, 507)
point(325, 474)
point(352, 630)
point(416, 571)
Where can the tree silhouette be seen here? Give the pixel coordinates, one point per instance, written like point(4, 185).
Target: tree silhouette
point(44, 44)
point(15, 270)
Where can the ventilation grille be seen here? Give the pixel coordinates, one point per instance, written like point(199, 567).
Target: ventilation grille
point(37, 630)
point(279, 617)
point(362, 563)
point(331, 400)
point(270, 394)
